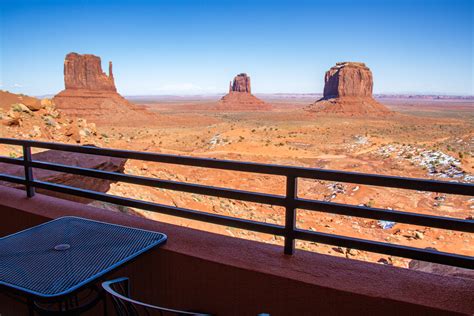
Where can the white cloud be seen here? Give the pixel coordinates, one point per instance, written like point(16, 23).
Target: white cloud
point(17, 85)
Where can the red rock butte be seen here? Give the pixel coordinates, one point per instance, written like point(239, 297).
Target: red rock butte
point(240, 97)
point(348, 91)
point(241, 84)
point(85, 72)
point(91, 94)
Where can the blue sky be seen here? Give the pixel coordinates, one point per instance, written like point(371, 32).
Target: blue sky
point(196, 47)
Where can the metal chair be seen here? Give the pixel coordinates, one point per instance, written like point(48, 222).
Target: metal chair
point(119, 290)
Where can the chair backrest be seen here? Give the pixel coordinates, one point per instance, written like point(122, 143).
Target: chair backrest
point(119, 290)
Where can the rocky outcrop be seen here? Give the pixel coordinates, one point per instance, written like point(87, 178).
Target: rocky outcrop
point(7, 99)
point(43, 122)
point(440, 269)
point(71, 159)
point(91, 94)
point(348, 91)
point(240, 97)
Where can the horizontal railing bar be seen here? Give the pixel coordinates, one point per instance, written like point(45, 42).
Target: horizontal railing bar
point(13, 161)
point(388, 249)
point(165, 184)
point(448, 187)
point(329, 207)
point(163, 158)
point(311, 173)
point(164, 209)
point(13, 179)
point(388, 215)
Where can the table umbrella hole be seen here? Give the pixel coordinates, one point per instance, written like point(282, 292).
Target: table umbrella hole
point(62, 247)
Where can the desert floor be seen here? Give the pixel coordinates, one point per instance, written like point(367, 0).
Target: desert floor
point(425, 139)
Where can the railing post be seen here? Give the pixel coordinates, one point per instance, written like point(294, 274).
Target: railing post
point(30, 190)
point(290, 214)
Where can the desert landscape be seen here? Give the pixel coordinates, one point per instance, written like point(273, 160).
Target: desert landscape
point(344, 128)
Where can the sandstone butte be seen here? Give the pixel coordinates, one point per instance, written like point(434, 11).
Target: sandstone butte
point(91, 94)
point(348, 91)
point(240, 97)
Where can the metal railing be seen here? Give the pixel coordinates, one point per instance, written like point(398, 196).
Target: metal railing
point(291, 202)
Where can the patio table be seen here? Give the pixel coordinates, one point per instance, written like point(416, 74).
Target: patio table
point(62, 256)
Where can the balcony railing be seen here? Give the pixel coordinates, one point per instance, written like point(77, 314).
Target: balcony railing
point(291, 202)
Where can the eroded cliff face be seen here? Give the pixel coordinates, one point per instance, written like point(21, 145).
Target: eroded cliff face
point(348, 91)
point(85, 72)
point(241, 83)
point(91, 94)
point(240, 97)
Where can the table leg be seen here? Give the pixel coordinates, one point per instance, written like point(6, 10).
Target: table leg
point(31, 310)
point(104, 300)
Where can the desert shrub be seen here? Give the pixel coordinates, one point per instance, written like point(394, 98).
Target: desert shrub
point(370, 203)
point(19, 107)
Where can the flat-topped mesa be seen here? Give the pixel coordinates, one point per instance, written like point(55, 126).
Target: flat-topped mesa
point(348, 91)
point(240, 97)
point(241, 84)
point(85, 72)
point(348, 79)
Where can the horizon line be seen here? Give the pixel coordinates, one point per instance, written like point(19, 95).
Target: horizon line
point(447, 94)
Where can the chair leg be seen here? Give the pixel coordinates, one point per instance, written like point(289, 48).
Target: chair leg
point(127, 287)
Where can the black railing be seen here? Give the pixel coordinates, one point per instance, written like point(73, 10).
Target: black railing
point(291, 202)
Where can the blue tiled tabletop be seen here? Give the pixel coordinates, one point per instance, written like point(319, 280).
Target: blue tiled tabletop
point(60, 256)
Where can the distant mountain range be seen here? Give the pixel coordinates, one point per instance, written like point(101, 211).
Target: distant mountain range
point(216, 96)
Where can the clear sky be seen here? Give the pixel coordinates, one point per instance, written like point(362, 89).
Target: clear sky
point(196, 47)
